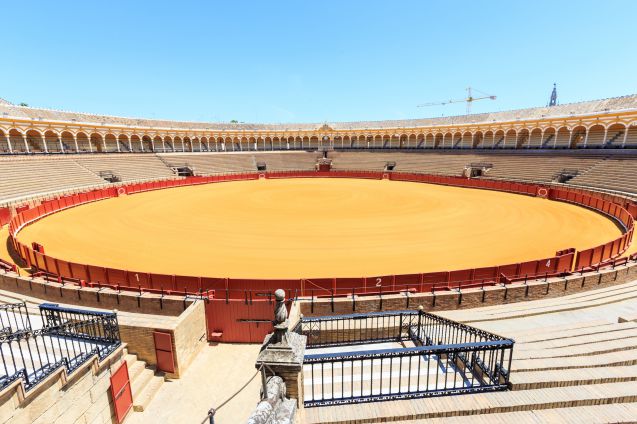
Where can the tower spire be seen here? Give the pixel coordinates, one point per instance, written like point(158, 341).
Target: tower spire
point(553, 100)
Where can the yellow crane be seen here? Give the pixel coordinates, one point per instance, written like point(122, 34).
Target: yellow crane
point(469, 99)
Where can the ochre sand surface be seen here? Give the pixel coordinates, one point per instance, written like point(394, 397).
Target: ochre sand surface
point(304, 228)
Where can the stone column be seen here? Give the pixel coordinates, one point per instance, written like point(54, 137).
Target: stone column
point(283, 351)
point(26, 144)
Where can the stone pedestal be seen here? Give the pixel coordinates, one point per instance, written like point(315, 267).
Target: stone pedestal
point(285, 359)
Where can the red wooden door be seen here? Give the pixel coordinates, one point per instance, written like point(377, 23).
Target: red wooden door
point(164, 351)
point(121, 392)
point(238, 321)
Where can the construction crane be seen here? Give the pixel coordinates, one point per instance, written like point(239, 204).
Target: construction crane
point(470, 99)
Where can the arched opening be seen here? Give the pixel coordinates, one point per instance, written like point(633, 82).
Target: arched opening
point(17, 141)
point(562, 139)
point(466, 140)
point(548, 138)
point(394, 141)
point(96, 142)
point(147, 144)
point(410, 141)
point(111, 143)
point(52, 142)
point(498, 139)
point(631, 136)
point(169, 145)
point(314, 142)
point(158, 145)
point(35, 142)
point(136, 143)
point(230, 145)
point(476, 140)
point(523, 139)
point(123, 143)
point(178, 144)
point(4, 143)
point(510, 140)
point(403, 141)
point(578, 135)
point(83, 144)
point(487, 140)
point(187, 144)
point(615, 136)
point(419, 141)
point(535, 138)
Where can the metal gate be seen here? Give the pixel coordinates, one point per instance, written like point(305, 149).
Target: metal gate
point(121, 392)
point(164, 351)
point(239, 321)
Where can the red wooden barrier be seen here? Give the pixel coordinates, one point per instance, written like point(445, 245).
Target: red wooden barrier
point(164, 352)
point(250, 291)
point(238, 321)
point(121, 392)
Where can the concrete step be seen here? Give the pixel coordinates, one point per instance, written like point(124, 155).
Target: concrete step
point(595, 414)
point(477, 404)
point(573, 377)
point(135, 369)
point(139, 382)
point(148, 393)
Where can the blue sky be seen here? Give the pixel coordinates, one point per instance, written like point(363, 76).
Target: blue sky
point(286, 61)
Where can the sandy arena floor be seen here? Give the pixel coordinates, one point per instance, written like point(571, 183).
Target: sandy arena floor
point(308, 228)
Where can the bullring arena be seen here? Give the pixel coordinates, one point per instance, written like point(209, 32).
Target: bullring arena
point(441, 269)
point(302, 228)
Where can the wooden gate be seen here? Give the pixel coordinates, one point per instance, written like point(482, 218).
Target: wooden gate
point(164, 351)
point(121, 392)
point(238, 320)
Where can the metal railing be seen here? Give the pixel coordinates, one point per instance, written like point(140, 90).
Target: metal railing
point(435, 357)
point(14, 317)
point(68, 338)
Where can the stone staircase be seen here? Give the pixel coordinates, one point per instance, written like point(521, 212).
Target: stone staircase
point(145, 381)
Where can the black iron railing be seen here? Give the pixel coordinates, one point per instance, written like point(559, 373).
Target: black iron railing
point(67, 338)
point(14, 317)
point(433, 356)
point(82, 324)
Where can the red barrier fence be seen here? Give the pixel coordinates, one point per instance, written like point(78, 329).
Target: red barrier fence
point(559, 264)
point(236, 292)
point(5, 216)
